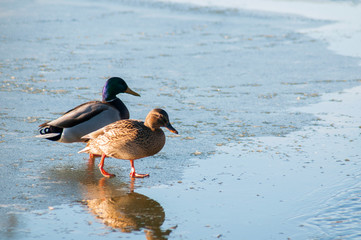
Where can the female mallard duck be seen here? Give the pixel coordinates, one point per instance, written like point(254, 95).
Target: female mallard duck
point(89, 116)
point(129, 140)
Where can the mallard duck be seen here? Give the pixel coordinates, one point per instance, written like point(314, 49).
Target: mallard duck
point(89, 116)
point(129, 140)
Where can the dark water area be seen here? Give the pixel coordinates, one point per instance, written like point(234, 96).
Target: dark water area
point(225, 76)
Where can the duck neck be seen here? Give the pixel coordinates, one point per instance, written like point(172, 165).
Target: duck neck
point(107, 94)
point(151, 123)
point(110, 97)
point(118, 104)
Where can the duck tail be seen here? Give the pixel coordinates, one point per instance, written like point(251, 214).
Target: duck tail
point(85, 138)
point(84, 150)
point(50, 132)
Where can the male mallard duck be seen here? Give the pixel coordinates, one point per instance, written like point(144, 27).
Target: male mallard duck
point(129, 140)
point(89, 116)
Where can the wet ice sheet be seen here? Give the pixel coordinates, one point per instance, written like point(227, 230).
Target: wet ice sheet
point(301, 186)
point(70, 221)
point(226, 76)
point(107, 208)
point(341, 33)
point(131, 215)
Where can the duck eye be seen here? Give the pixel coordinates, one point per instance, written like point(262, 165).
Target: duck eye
point(163, 121)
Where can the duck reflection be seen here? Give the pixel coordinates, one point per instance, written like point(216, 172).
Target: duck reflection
point(119, 207)
point(113, 201)
point(131, 212)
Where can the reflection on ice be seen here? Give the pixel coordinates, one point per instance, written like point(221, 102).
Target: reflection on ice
point(127, 211)
point(113, 202)
point(131, 212)
point(117, 205)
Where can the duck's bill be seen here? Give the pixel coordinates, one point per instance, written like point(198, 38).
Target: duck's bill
point(171, 128)
point(130, 91)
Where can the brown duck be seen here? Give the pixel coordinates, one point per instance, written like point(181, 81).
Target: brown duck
point(129, 140)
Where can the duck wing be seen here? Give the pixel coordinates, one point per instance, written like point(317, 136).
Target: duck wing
point(79, 114)
point(122, 129)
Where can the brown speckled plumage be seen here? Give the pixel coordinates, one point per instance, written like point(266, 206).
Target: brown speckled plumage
point(130, 139)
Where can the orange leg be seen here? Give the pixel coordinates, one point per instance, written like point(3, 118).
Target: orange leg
point(91, 160)
point(136, 175)
point(101, 165)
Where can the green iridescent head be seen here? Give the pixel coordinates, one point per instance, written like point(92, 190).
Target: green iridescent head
point(114, 86)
